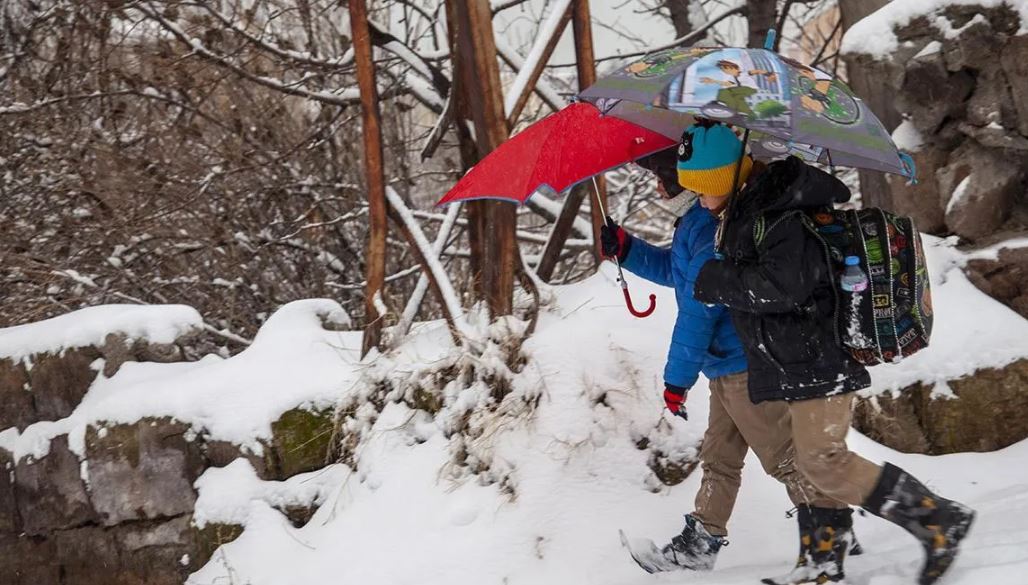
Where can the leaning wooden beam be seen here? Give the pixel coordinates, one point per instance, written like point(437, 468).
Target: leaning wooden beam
point(543, 90)
point(375, 256)
point(549, 34)
point(561, 231)
point(429, 260)
point(414, 303)
point(585, 57)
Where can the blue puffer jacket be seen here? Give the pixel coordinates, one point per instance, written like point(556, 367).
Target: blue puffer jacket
point(704, 339)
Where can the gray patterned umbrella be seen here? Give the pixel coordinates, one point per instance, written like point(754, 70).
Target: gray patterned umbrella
point(789, 107)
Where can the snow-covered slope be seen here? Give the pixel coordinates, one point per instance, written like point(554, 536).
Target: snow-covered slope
point(560, 465)
point(575, 473)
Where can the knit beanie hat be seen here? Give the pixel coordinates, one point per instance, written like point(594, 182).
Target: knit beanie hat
point(707, 157)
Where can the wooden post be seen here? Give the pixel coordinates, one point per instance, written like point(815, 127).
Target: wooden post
point(586, 62)
point(492, 224)
point(375, 254)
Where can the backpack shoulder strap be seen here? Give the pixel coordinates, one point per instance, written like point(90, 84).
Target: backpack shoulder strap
point(763, 225)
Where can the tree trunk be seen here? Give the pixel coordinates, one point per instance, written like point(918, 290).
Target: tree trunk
point(760, 18)
point(491, 223)
point(375, 174)
point(864, 77)
point(679, 10)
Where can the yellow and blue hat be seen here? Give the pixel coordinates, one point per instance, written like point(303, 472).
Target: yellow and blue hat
point(707, 157)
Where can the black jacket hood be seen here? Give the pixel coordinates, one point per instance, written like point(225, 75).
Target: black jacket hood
point(793, 184)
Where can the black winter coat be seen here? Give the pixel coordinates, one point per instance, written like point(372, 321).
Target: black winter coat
point(781, 293)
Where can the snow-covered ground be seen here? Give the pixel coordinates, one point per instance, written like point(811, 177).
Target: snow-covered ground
point(563, 465)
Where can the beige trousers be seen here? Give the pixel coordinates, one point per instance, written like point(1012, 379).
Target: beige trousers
point(819, 428)
point(736, 425)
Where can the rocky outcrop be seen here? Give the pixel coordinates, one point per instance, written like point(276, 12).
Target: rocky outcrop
point(978, 413)
point(120, 512)
point(960, 76)
point(48, 386)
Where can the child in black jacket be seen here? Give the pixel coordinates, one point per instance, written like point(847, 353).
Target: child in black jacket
point(779, 288)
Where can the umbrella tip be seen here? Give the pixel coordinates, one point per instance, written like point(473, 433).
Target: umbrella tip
point(909, 167)
point(769, 40)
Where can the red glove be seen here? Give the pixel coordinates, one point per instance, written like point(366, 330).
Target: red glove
point(674, 399)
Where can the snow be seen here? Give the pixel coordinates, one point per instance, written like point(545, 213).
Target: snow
point(992, 252)
point(959, 195)
point(930, 49)
point(228, 495)
point(292, 361)
point(875, 35)
point(907, 138)
point(90, 326)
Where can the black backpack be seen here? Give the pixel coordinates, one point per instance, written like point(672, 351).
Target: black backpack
point(892, 319)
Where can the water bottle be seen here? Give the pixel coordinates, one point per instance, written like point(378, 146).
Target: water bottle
point(853, 278)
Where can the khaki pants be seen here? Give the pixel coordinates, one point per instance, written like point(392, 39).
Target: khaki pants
point(819, 428)
point(736, 425)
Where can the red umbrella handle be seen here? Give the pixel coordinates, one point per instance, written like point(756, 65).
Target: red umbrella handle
point(632, 309)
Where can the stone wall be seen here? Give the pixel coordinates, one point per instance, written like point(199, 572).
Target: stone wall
point(960, 77)
point(965, 91)
point(982, 412)
point(122, 513)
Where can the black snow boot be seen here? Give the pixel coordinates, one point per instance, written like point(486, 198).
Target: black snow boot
point(694, 549)
point(939, 524)
point(826, 536)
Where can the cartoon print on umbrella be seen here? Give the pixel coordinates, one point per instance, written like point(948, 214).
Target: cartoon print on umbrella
point(822, 95)
point(659, 63)
point(732, 85)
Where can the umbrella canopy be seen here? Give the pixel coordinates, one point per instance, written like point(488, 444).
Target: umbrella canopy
point(791, 108)
point(553, 154)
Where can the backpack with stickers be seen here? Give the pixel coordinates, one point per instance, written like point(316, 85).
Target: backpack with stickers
point(892, 317)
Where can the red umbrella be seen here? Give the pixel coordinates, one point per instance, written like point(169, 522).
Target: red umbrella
point(564, 148)
point(556, 152)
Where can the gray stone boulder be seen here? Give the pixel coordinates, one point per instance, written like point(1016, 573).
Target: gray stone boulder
point(917, 420)
point(1014, 59)
point(28, 560)
point(930, 94)
point(10, 519)
point(978, 187)
point(16, 407)
point(975, 47)
point(50, 492)
point(58, 382)
point(142, 471)
point(1004, 278)
point(921, 201)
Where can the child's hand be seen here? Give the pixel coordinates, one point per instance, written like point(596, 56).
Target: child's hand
point(614, 240)
point(674, 399)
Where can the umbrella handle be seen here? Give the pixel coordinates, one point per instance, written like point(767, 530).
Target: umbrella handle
point(632, 309)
